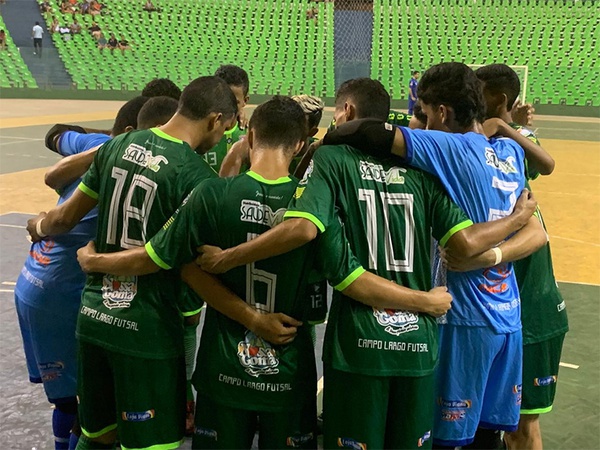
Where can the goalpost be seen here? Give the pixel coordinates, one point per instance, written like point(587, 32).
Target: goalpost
point(522, 72)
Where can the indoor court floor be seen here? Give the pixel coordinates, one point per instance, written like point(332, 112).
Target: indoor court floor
point(569, 200)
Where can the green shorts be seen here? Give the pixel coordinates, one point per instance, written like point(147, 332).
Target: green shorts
point(540, 374)
point(276, 430)
point(361, 411)
point(144, 399)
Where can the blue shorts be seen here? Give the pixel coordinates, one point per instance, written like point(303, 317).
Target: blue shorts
point(50, 349)
point(478, 383)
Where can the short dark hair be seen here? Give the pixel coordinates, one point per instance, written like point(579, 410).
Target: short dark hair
point(419, 114)
point(156, 111)
point(206, 95)
point(370, 97)
point(414, 72)
point(161, 86)
point(37, 23)
point(234, 76)
point(279, 122)
point(127, 115)
point(500, 79)
point(453, 84)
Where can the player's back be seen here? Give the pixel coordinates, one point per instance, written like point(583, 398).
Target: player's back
point(214, 157)
point(388, 211)
point(140, 179)
point(484, 177)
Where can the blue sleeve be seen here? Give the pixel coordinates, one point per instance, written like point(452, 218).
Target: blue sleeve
point(72, 142)
point(431, 151)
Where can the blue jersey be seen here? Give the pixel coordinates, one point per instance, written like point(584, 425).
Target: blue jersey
point(51, 277)
point(484, 177)
point(412, 85)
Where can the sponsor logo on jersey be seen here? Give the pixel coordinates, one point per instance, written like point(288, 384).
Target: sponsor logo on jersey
point(257, 356)
point(307, 174)
point(375, 172)
point(118, 292)
point(143, 157)
point(495, 279)
point(396, 322)
point(492, 159)
point(299, 440)
point(343, 442)
point(206, 432)
point(561, 306)
point(51, 370)
point(545, 381)
point(141, 416)
point(424, 439)
point(453, 403)
point(518, 391)
point(257, 212)
point(453, 415)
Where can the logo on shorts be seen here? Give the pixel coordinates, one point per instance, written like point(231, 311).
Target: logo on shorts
point(545, 381)
point(350, 443)
point(51, 370)
point(518, 390)
point(118, 292)
point(299, 440)
point(142, 416)
point(424, 439)
point(453, 403)
point(396, 322)
point(453, 415)
point(141, 156)
point(257, 356)
point(561, 306)
point(206, 432)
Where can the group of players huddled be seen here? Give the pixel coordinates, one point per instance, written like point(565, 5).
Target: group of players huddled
point(434, 337)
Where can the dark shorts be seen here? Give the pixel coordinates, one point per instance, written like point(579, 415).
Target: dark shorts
point(363, 411)
point(144, 399)
point(223, 427)
point(540, 375)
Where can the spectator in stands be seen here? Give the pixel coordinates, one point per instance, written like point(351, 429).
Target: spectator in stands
point(2, 40)
point(54, 26)
point(149, 6)
point(124, 44)
point(160, 87)
point(66, 8)
point(101, 41)
point(412, 90)
point(84, 7)
point(95, 8)
point(37, 33)
point(45, 7)
point(95, 30)
point(112, 42)
point(75, 27)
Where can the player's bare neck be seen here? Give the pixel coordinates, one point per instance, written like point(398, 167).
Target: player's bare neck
point(183, 129)
point(269, 163)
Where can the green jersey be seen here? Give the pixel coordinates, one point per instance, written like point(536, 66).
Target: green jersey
point(245, 371)
point(214, 157)
point(388, 212)
point(543, 310)
point(139, 179)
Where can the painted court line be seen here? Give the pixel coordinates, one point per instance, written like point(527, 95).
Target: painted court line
point(9, 283)
point(568, 365)
point(578, 282)
point(7, 291)
point(12, 226)
point(575, 240)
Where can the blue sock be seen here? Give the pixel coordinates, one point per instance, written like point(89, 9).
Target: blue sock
point(73, 441)
point(61, 426)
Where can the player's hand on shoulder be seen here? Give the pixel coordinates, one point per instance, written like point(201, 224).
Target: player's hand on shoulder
point(439, 301)
point(522, 113)
point(493, 126)
point(32, 227)
point(276, 328)
point(243, 120)
point(85, 257)
point(212, 259)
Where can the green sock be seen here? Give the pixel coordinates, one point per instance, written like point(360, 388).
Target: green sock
point(85, 443)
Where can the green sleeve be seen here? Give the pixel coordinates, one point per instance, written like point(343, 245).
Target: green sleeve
point(90, 184)
point(398, 118)
point(315, 195)
point(335, 260)
point(446, 216)
point(175, 244)
point(530, 174)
